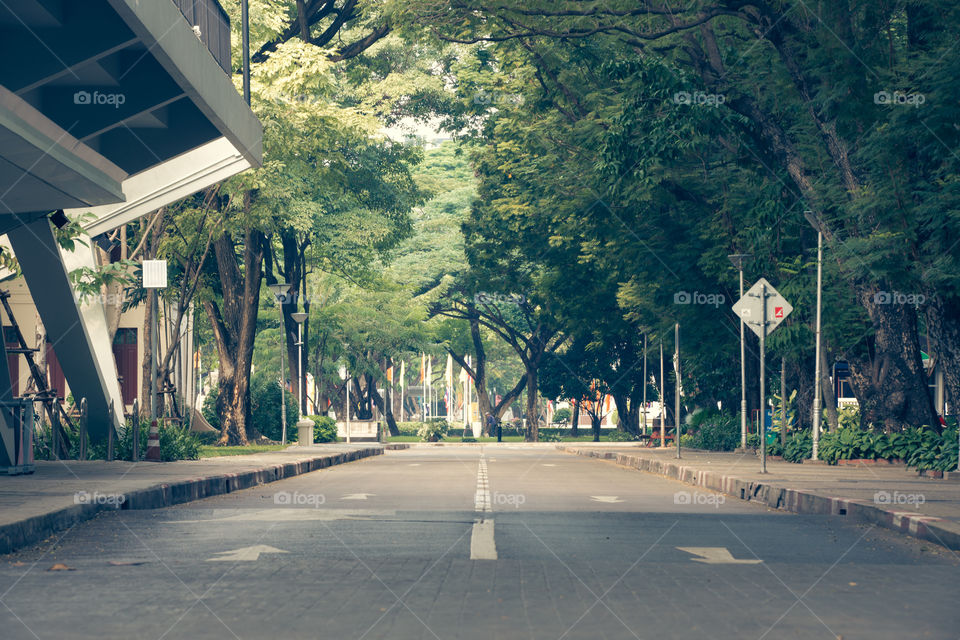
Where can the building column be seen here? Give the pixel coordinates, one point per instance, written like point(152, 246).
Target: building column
point(77, 332)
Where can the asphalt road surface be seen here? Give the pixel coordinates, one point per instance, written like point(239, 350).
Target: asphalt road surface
point(507, 542)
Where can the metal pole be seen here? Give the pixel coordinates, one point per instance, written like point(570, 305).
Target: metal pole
point(818, 390)
point(54, 435)
point(743, 375)
point(644, 413)
point(110, 433)
point(783, 402)
point(155, 331)
point(676, 369)
point(663, 407)
point(348, 407)
point(763, 363)
point(300, 367)
point(83, 428)
point(135, 436)
point(283, 385)
point(245, 36)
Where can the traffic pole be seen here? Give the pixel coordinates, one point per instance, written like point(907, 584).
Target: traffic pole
point(676, 400)
point(763, 363)
point(817, 388)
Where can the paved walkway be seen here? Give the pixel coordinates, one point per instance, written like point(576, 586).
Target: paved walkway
point(887, 495)
point(60, 494)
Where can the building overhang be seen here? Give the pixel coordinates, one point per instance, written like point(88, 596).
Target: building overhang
point(98, 96)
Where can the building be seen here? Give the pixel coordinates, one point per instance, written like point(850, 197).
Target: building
point(116, 108)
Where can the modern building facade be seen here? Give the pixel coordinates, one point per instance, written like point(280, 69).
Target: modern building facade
point(112, 108)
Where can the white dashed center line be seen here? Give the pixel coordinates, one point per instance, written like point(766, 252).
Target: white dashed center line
point(482, 543)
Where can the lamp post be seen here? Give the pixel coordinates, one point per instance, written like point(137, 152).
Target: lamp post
point(345, 374)
point(304, 425)
point(280, 290)
point(737, 261)
point(817, 388)
point(676, 369)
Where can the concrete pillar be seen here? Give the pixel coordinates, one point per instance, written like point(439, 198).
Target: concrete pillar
point(78, 333)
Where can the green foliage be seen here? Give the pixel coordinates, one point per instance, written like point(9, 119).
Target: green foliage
point(714, 431)
point(562, 415)
point(176, 443)
point(799, 446)
point(619, 436)
point(324, 428)
point(433, 430)
point(265, 407)
point(922, 448)
point(209, 408)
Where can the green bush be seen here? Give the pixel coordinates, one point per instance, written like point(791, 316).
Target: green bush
point(324, 428)
point(714, 431)
point(562, 415)
point(622, 436)
point(799, 447)
point(265, 407)
point(433, 430)
point(208, 437)
point(209, 408)
point(686, 440)
point(922, 449)
point(176, 443)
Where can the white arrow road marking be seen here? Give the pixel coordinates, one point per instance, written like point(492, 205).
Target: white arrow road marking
point(549, 465)
point(716, 555)
point(482, 544)
point(357, 496)
point(245, 554)
point(608, 499)
point(414, 464)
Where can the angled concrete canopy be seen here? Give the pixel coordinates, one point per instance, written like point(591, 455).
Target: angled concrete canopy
point(114, 107)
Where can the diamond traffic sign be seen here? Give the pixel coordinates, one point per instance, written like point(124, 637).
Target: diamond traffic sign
point(750, 307)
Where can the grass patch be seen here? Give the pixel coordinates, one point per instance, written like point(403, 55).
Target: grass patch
point(209, 451)
point(456, 439)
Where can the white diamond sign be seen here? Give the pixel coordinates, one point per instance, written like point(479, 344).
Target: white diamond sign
point(750, 307)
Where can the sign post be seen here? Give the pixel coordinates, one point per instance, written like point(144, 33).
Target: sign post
point(762, 308)
point(154, 277)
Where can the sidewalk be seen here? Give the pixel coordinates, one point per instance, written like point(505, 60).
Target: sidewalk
point(61, 494)
point(885, 495)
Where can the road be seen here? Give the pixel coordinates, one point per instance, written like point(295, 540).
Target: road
point(509, 542)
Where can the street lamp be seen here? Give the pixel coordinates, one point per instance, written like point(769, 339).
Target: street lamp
point(304, 425)
point(737, 261)
point(280, 291)
point(299, 317)
point(817, 389)
point(345, 374)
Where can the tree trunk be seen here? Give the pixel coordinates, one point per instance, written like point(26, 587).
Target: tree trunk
point(595, 420)
point(888, 378)
point(829, 395)
point(234, 329)
point(575, 425)
point(533, 423)
point(943, 325)
point(388, 405)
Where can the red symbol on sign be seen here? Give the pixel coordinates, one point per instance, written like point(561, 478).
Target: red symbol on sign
point(778, 312)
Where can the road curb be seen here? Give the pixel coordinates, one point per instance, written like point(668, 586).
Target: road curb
point(16, 535)
point(931, 529)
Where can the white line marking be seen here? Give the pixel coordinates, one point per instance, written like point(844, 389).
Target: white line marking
point(481, 500)
point(608, 499)
point(482, 544)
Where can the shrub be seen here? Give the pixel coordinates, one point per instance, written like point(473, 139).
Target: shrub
point(208, 437)
point(714, 431)
point(622, 436)
point(433, 430)
point(209, 408)
point(324, 428)
point(549, 436)
point(686, 440)
point(799, 447)
point(265, 407)
point(562, 415)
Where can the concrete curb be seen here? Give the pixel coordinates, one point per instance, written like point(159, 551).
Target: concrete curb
point(16, 535)
point(936, 530)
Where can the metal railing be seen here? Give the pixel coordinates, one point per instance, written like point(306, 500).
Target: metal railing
point(214, 26)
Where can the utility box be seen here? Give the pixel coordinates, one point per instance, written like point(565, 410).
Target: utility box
point(16, 437)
